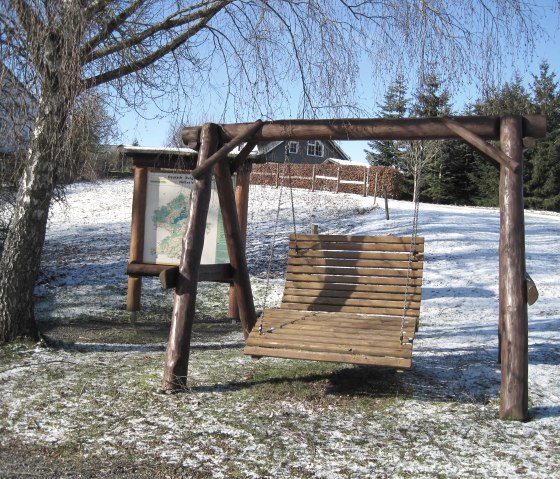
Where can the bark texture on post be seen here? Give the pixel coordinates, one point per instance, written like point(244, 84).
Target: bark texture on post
point(184, 303)
point(236, 248)
point(136, 255)
point(242, 207)
point(513, 291)
point(487, 127)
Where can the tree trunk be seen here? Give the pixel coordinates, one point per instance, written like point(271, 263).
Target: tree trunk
point(23, 246)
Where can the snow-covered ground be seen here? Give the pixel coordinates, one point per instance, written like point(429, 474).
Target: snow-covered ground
point(437, 420)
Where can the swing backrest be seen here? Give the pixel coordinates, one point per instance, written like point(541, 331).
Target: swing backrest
point(354, 274)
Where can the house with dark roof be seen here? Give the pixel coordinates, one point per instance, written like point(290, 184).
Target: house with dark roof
point(301, 151)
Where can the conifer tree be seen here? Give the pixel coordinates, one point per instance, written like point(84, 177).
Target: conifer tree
point(431, 100)
point(395, 105)
point(543, 177)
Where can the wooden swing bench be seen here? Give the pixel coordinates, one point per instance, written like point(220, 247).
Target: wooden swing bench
point(344, 301)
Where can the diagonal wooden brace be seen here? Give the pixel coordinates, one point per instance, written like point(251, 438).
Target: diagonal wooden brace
point(480, 145)
point(245, 135)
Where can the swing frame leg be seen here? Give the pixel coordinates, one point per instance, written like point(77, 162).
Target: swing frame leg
point(184, 302)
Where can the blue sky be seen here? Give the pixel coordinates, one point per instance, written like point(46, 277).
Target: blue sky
point(151, 128)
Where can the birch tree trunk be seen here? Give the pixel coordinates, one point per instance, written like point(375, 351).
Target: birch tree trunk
point(23, 246)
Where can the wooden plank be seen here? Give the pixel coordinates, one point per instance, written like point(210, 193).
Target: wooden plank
point(380, 288)
point(348, 309)
point(273, 341)
point(377, 333)
point(370, 255)
point(317, 245)
point(353, 279)
point(354, 271)
point(328, 317)
point(351, 294)
point(355, 239)
point(399, 363)
point(303, 319)
point(369, 303)
point(363, 263)
point(373, 338)
point(381, 338)
point(342, 327)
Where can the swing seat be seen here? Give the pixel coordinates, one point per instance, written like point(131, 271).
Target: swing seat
point(344, 301)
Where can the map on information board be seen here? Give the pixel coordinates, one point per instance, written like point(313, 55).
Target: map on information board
point(167, 212)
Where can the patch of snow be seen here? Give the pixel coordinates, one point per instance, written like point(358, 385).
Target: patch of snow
point(442, 416)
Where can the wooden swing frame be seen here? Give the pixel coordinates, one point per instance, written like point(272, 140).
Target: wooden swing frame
point(214, 142)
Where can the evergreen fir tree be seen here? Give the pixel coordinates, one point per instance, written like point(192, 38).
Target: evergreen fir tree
point(432, 100)
point(395, 105)
point(542, 185)
point(511, 99)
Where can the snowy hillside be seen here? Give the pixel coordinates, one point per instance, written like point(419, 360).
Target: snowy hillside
point(441, 421)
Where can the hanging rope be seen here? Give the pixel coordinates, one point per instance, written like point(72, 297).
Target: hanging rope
point(412, 252)
point(273, 244)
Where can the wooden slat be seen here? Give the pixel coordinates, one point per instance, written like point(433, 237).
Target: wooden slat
point(334, 346)
point(352, 279)
point(348, 309)
point(352, 262)
point(364, 360)
point(292, 330)
point(350, 294)
point(381, 288)
point(327, 246)
point(328, 318)
point(367, 272)
point(356, 239)
point(371, 255)
point(327, 300)
point(306, 319)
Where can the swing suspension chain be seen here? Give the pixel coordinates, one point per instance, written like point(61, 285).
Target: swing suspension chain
point(273, 245)
point(412, 252)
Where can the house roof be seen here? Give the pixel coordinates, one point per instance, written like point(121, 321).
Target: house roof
point(272, 145)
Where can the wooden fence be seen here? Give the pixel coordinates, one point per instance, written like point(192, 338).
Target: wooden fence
point(361, 180)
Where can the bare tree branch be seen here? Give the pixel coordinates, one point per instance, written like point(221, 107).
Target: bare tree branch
point(151, 58)
point(177, 19)
point(108, 28)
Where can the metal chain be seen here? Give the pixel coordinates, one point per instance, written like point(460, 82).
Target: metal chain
point(412, 252)
point(292, 198)
point(273, 244)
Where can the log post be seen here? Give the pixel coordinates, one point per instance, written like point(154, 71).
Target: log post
point(386, 203)
point(366, 181)
point(313, 178)
point(184, 302)
point(242, 207)
point(338, 179)
point(236, 248)
point(134, 291)
point(513, 321)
